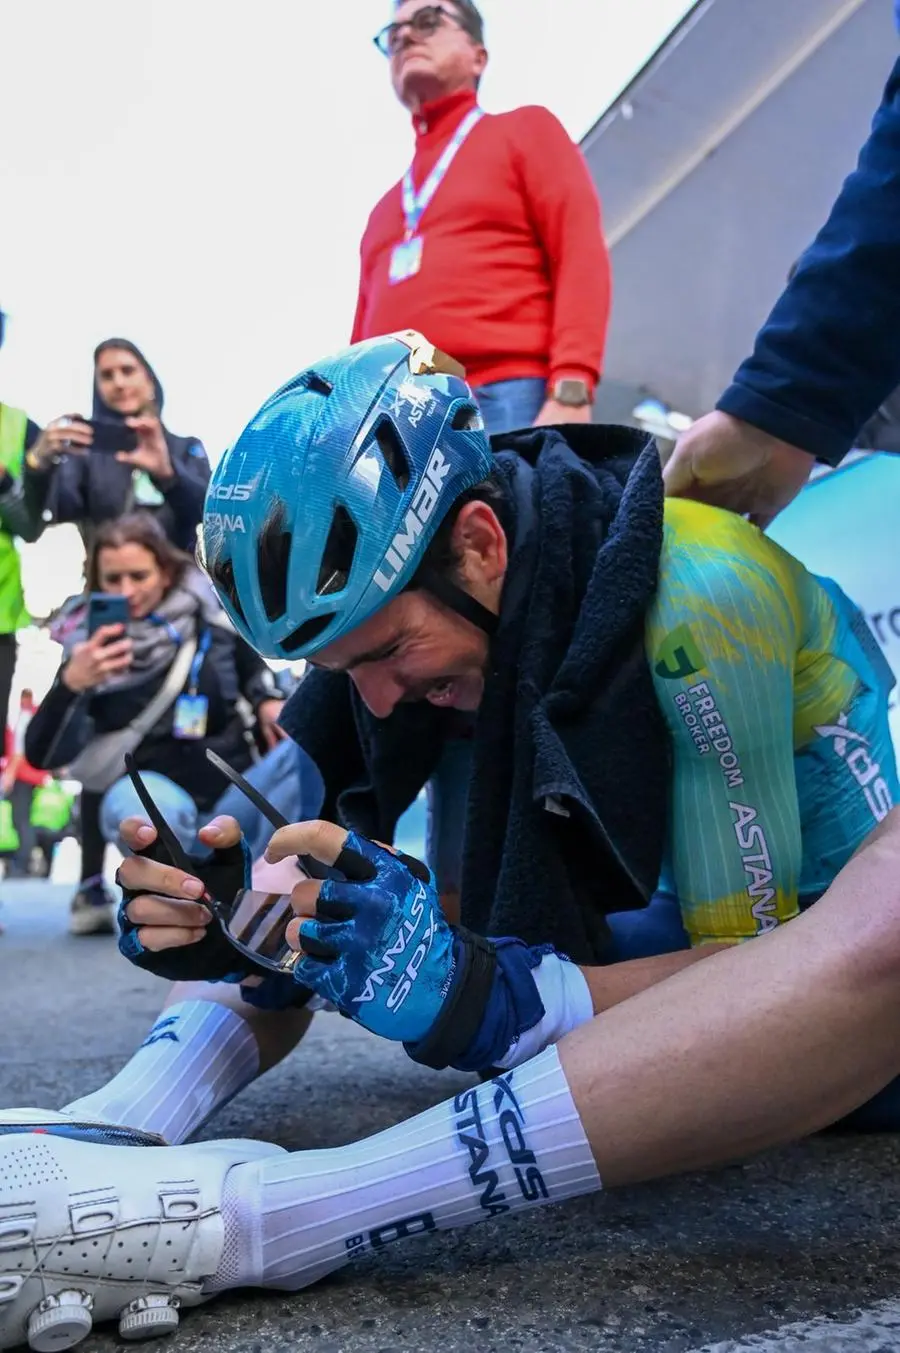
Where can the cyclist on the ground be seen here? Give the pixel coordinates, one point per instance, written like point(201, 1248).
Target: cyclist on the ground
point(653, 691)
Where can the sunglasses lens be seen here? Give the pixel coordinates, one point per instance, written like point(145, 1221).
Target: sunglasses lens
point(255, 923)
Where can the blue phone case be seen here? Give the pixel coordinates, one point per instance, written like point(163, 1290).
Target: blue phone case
point(106, 608)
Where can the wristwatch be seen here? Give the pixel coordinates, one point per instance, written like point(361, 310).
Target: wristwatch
point(573, 393)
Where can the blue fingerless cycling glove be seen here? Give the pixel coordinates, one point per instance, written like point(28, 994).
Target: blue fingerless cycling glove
point(379, 947)
point(381, 950)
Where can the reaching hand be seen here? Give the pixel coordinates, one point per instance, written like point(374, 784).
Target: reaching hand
point(729, 463)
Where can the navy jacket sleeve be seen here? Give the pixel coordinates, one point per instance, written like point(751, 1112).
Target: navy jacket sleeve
point(60, 729)
point(829, 353)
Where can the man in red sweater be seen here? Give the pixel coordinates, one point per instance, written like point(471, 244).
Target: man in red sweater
point(492, 246)
point(492, 243)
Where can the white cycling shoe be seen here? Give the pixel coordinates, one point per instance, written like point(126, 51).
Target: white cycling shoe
point(90, 1232)
point(64, 1123)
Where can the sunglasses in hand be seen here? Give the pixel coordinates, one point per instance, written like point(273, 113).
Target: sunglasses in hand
point(253, 922)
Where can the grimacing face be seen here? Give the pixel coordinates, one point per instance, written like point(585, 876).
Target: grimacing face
point(415, 648)
point(412, 649)
point(425, 67)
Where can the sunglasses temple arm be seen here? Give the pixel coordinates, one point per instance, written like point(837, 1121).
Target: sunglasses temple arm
point(269, 813)
point(177, 854)
point(312, 867)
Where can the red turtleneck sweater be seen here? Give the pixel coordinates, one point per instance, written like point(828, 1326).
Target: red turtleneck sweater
point(514, 279)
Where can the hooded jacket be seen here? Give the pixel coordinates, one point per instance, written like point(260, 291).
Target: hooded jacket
point(94, 488)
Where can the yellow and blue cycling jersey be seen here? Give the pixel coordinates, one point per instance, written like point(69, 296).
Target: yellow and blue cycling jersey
point(775, 695)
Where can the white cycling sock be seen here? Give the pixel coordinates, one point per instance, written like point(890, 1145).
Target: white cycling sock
point(195, 1058)
point(507, 1144)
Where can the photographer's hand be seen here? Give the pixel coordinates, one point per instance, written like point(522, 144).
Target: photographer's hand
point(151, 453)
point(103, 655)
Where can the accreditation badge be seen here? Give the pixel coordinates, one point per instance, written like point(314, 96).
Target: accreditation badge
point(406, 259)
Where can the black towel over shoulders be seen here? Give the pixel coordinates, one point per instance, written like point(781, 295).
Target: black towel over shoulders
point(568, 798)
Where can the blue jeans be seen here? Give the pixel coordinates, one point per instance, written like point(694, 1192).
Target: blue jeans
point(507, 406)
point(285, 776)
point(448, 792)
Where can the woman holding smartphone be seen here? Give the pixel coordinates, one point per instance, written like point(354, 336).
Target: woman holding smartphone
point(123, 458)
point(147, 606)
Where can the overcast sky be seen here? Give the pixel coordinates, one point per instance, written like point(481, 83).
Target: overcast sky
point(196, 177)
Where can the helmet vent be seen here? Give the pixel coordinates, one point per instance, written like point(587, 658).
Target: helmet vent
point(308, 631)
point(339, 553)
point(272, 559)
point(314, 380)
point(393, 451)
point(466, 419)
point(221, 574)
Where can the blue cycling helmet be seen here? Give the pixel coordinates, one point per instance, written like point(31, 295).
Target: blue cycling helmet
point(322, 510)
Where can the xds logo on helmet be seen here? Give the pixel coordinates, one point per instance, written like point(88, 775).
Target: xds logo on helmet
point(233, 493)
point(423, 505)
point(226, 521)
point(229, 521)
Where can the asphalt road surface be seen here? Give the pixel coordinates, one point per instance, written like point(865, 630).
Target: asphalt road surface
point(795, 1251)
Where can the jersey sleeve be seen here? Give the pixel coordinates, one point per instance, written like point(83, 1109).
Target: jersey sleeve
point(722, 638)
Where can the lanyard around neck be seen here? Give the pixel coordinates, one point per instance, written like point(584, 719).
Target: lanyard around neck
point(199, 656)
point(414, 203)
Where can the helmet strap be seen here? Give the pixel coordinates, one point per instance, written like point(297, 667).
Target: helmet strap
point(455, 599)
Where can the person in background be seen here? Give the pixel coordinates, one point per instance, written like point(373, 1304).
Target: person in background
point(17, 518)
point(484, 188)
point(52, 820)
point(108, 677)
point(68, 481)
point(18, 782)
point(530, 331)
point(825, 360)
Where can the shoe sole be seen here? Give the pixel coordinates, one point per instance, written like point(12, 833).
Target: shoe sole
point(91, 1233)
point(82, 923)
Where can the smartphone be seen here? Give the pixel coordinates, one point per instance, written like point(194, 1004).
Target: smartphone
point(106, 608)
point(110, 436)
